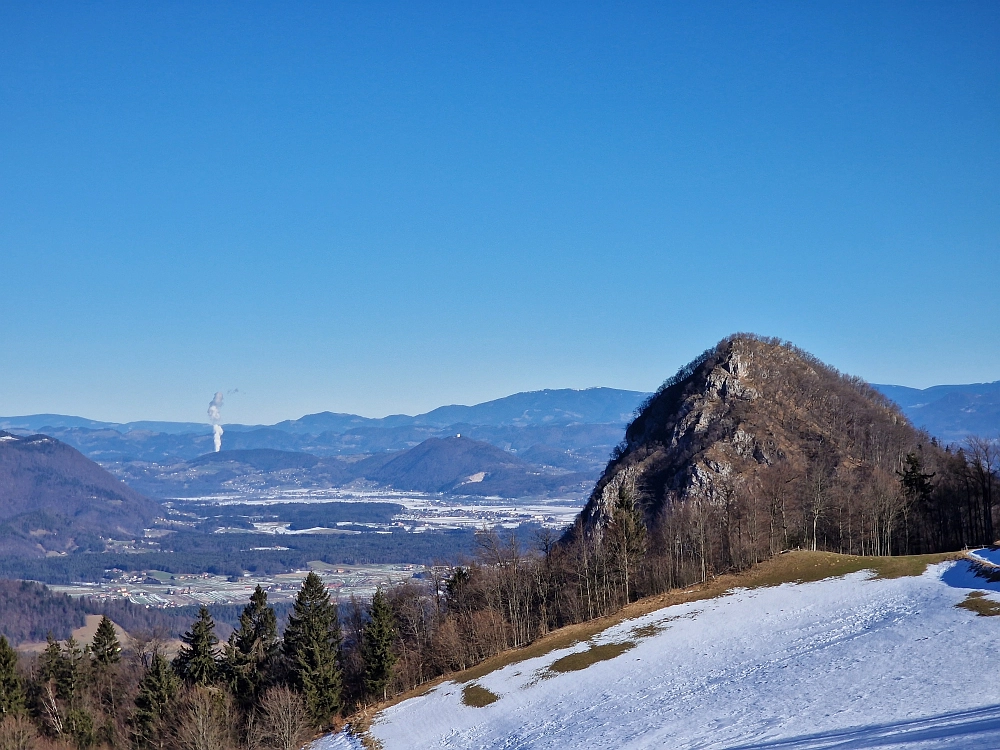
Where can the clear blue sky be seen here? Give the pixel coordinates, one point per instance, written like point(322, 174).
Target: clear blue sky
point(382, 208)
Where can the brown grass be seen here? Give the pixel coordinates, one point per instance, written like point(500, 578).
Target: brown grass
point(646, 631)
point(978, 603)
point(477, 696)
point(594, 654)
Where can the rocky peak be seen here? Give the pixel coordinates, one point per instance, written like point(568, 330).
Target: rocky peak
point(749, 401)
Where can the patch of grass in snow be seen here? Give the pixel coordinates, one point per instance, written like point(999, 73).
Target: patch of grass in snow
point(594, 654)
point(647, 631)
point(978, 603)
point(477, 696)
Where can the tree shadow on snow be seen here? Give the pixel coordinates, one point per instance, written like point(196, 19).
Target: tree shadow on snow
point(966, 574)
point(970, 730)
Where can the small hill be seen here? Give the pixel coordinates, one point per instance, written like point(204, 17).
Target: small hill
point(53, 499)
point(262, 459)
point(463, 466)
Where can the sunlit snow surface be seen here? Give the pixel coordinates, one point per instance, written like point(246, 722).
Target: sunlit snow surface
point(851, 662)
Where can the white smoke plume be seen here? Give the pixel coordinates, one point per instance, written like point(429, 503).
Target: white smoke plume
point(215, 416)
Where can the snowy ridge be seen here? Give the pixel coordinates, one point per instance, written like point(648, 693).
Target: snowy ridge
point(851, 662)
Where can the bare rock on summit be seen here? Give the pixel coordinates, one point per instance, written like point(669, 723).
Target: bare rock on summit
point(747, 402)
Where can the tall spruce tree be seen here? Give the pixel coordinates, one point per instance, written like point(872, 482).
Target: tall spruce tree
point(11, 690)
point(70, 675)
point(376, 647)
point(50, 662)
point(196, 661)
point(158, 688)
point(312, 647)
point(250, 653)
point(105, 647)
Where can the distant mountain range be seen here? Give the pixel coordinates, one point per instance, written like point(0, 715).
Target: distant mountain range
point(566, 426)
point(950, 412)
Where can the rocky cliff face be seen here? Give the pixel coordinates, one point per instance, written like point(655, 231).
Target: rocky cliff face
point(748, 402)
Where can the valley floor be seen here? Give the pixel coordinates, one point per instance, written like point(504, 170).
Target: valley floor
point(849, 662)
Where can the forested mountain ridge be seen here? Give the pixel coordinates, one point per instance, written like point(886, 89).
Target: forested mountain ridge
point(54, 499)
point(780, 449)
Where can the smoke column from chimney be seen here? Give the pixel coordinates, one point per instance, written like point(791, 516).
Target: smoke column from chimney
point(215, 416)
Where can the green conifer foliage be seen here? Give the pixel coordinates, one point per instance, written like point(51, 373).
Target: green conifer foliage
point(196, 662)
point(312, 647)
point(252, 649)
point(157, 690)
point(376, 647)
point(105, 646)
point(11, 690)
point(70, 675)
point(50, 662)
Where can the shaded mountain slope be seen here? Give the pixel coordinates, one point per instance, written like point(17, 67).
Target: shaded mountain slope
point(52, 498)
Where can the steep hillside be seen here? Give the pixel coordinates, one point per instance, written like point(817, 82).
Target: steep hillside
point(758, 428)
point(53, 499)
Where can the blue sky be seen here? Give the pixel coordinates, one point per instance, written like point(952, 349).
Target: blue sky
point(381, 208)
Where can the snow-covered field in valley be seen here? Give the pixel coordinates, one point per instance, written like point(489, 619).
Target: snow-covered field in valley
point(852, 662)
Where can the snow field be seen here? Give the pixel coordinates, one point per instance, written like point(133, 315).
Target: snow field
point(851, 662)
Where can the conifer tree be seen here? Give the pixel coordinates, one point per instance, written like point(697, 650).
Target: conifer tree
point(50, 661)
point(105, 646)
point(376, 647)
point(11, 690)
point(70, 671)
point(312, 647)
point(157, 690)
point(250, 653)
point(196, 662)
point(626, 538)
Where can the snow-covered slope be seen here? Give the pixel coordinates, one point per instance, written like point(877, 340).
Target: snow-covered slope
point(851, 662)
